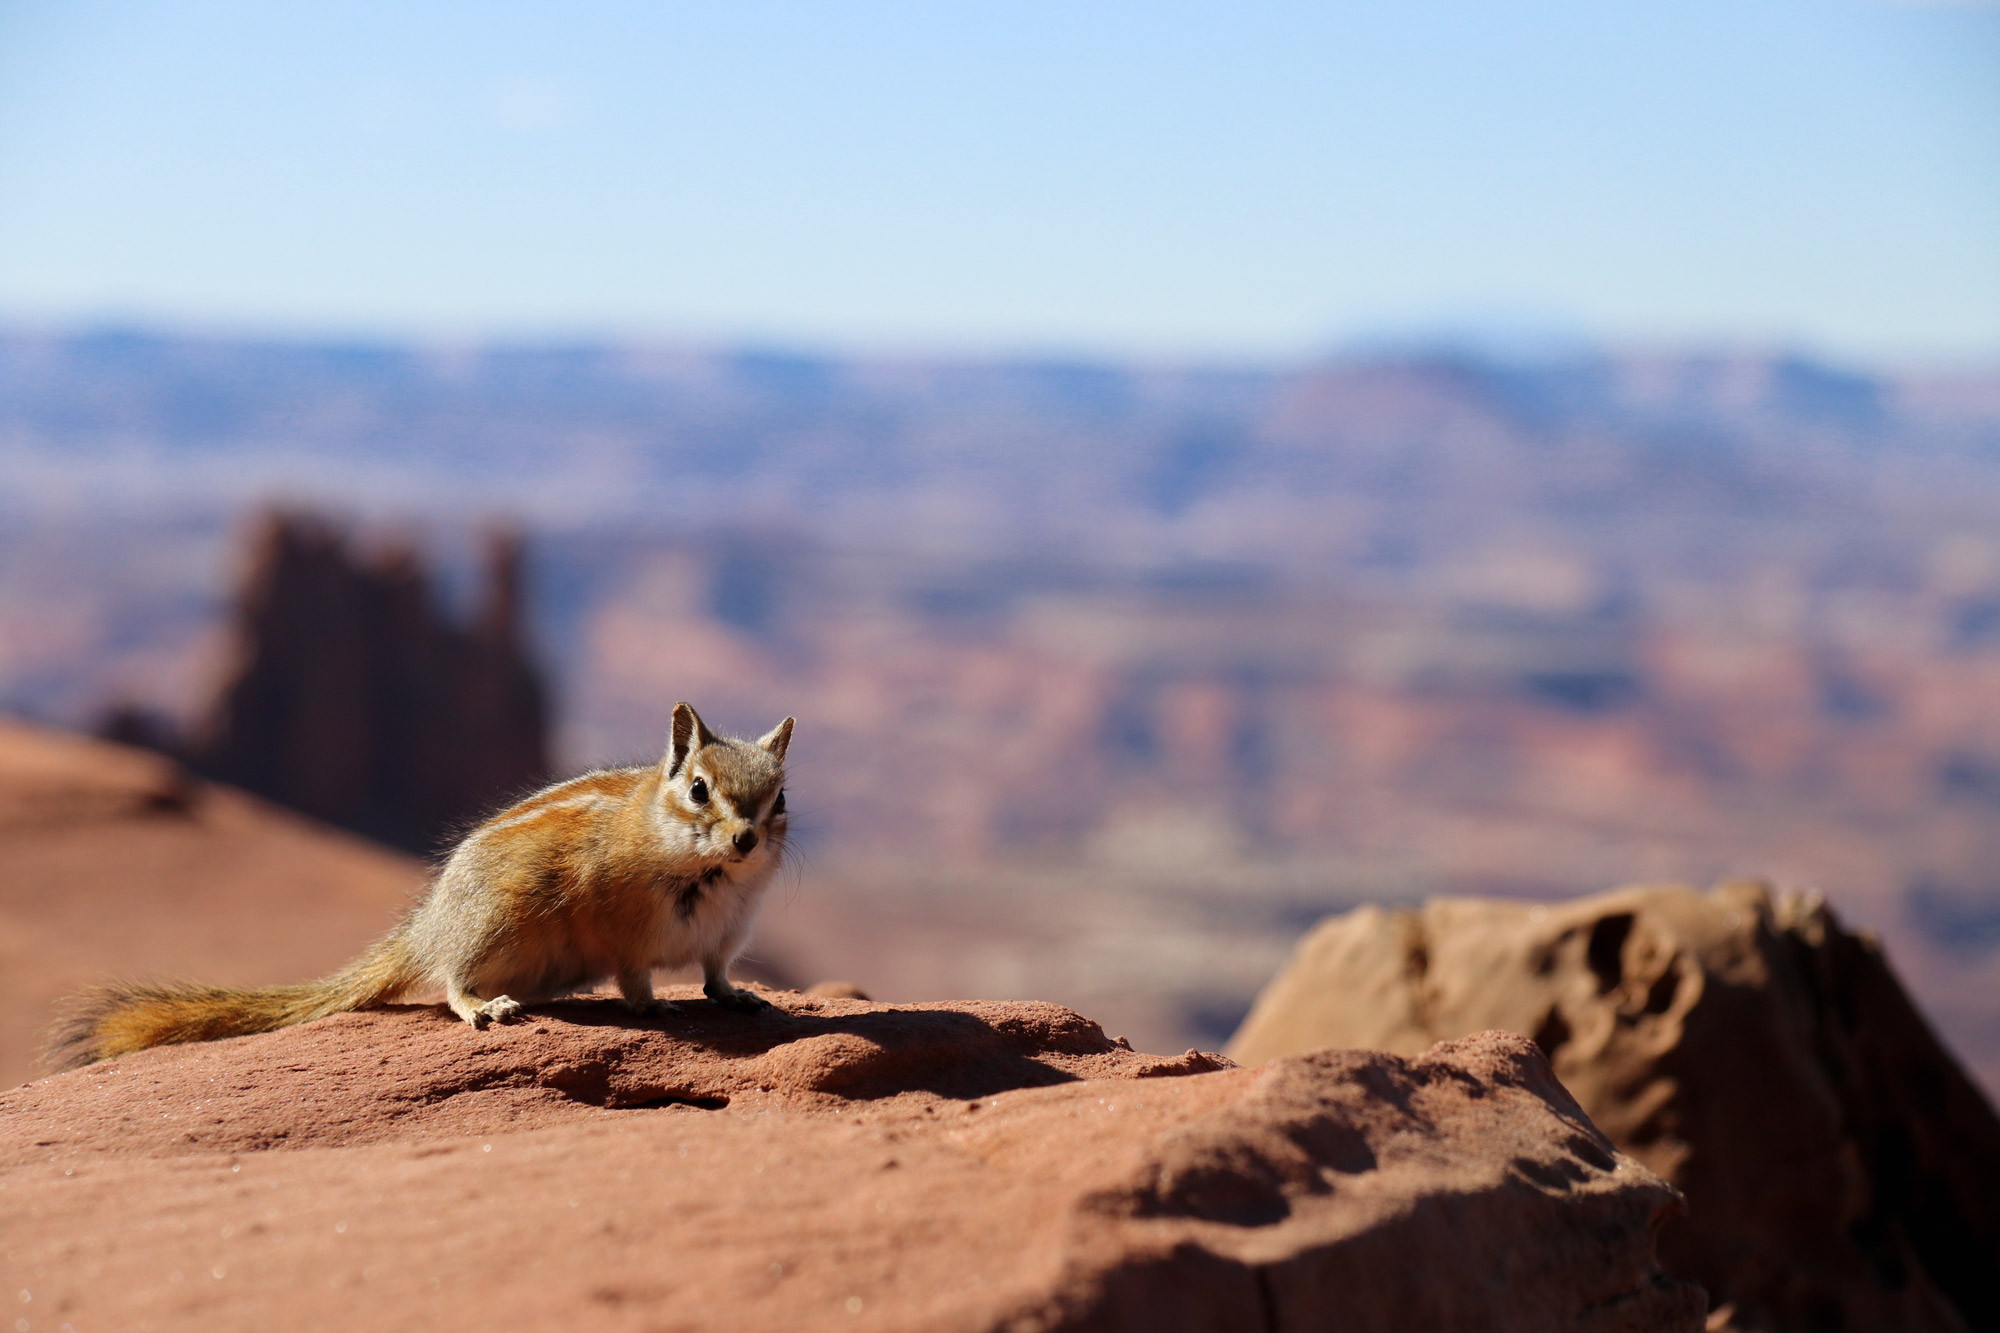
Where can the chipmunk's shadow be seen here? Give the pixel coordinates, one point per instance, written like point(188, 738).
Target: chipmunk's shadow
point(944, 1051)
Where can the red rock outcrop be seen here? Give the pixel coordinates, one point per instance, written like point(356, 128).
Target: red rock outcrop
point(831, 1164)
point(1841, 1170)
point(115, 861)
point(356, 701)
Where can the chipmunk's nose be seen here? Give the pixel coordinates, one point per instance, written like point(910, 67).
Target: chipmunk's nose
point(746, 841)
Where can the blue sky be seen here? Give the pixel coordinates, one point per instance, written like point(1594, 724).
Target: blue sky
point(1235, 180)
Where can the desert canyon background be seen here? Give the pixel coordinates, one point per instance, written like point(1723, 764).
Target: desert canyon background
point(1112, 679)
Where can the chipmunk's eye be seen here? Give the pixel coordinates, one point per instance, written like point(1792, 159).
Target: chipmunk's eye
point(698, 791)
point(778, 806)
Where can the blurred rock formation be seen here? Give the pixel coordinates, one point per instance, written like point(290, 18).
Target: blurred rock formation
point(1841, 1170)
point(356, 700)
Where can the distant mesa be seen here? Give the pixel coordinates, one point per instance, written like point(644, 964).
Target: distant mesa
point(353, 697)
point(1840, 1168)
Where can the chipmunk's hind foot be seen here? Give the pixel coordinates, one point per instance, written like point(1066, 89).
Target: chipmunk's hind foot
point(500, 1009)
point(478, 1012)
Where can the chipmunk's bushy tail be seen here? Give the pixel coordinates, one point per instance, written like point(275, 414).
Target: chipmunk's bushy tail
point(123, 1017)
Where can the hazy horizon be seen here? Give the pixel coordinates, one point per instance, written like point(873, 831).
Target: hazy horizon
point(1499, 344)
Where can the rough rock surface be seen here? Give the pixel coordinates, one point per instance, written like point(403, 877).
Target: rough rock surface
point(114, 861)
point(831, 1164)
point(1841, 1170)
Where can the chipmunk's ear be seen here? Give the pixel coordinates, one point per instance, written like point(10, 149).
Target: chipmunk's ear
point(689, 733)
point(777, 738)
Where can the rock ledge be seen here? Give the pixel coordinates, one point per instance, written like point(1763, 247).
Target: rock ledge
point(835, 1163)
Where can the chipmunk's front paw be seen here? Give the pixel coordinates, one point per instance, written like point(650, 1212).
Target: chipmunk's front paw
point(654, 1008)
point(499, 1009)
point(743, 1001)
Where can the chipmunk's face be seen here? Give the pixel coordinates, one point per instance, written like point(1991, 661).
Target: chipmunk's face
point(728, 794)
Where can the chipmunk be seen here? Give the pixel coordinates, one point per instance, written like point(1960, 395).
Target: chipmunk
point(609, 875)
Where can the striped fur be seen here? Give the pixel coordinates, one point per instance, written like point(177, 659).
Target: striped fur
point(606, 876)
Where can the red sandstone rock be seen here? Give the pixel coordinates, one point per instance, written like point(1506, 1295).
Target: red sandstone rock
point(1841, 1169)
point(1042, 1176)
point(833, 1164)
